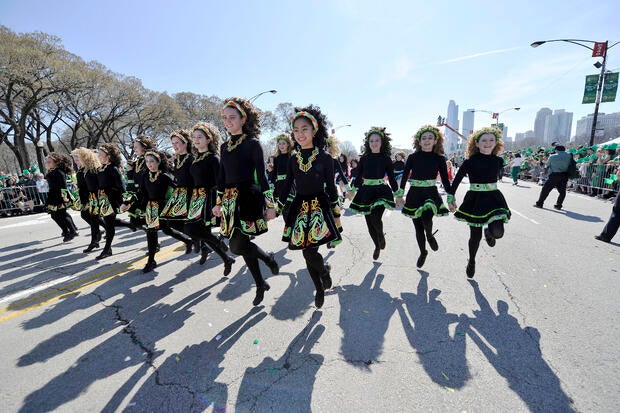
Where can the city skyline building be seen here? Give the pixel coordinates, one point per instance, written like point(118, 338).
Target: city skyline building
point(468, 122)
point(452, 119)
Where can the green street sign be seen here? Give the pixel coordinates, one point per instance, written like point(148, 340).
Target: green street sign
point(610, 87)
point(589, 93)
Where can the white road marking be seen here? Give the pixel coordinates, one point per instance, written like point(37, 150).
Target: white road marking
point(523, 216)
point(38, 288)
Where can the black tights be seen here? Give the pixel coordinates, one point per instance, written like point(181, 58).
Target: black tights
point(423, 229)
point(240, 244)
point(64, 221)
point(199, 231)
point(152, 238)
point(375, 226)
point(316, 266)
point(496, 229)
point(94, 221)
point(111, 222)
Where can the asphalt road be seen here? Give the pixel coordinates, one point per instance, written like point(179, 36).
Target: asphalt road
point(536, 331)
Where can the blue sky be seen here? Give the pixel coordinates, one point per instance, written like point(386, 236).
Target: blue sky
point(365, 63)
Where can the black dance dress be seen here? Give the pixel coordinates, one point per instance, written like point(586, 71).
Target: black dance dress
point(423, 194)
point(372, 190)
point(483, 203)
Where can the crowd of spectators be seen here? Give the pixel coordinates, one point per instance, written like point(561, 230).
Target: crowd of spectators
point(23, 193)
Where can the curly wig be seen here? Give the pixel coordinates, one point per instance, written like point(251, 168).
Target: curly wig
point(146, 142)
point(251, 127)
point(62, 161)
point(185, 136)
point(88, 157)
point(161, 157)
point(286, 138)
point(113, 153)
point(386, 145)
point(210, 131)
point(320, 137)
point(472, 149)
point(438, 147)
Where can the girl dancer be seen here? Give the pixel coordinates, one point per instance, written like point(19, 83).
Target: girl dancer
point(154, 189)
point(88, 165)
point(281, 158)
point(59, 197)
point(245, 202)
point(110, 194)
point(423, 200)
point(310, 221)
point(483, 204)
point(141, 144)
point(373, 195)
point(203, 171)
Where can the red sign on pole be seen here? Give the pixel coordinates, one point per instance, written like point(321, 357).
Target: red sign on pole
point(599, 49)
point(495, 115)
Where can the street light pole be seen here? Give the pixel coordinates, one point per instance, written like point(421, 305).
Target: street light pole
point(253, 98)
point(599, 86)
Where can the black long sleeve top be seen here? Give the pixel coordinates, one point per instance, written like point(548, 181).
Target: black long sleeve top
point(92, 183)
point(181, 171)
point(109, 179)
point(57, 181)
point(280, 166)
point(156, 190)
point(399, 165)
point(338, 171)
point(375, 166)
point(424, 166)
point(242, 164)
point(82, 186)
point(204, 171)
point(319, 178)
point(481, 169)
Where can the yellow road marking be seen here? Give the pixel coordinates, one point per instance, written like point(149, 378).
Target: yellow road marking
point(60, 292)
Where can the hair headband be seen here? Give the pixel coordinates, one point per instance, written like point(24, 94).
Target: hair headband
point(485, 130)
point(428, 128)
point(154, 155)
point(204, 128)
point(373, 131)
point(307, 115)
point(233, 104)
point(178, 135)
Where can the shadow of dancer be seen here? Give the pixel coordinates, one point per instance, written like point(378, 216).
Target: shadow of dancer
point(515, 354)
point(186, 382)
point(442, 356)
point(129, 347)
point(365, 312)
point(296, 299)
point(285, 384)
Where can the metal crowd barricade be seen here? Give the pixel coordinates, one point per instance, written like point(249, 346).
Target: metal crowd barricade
point(601, 180)
point(21, 200)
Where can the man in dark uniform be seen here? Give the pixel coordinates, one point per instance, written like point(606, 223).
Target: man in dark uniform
point(557, 166)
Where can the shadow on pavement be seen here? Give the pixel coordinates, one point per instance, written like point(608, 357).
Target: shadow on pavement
point(442, 356)
point(515, 354)
point(288, 381)
point(186, 382)
point(365, 312)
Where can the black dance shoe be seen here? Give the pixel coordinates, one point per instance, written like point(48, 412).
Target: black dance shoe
point(489, 238)
point(69, 236)
point(375, 254)
point(204, 253)
point(273, 264)
point(260, 293)
point(228, 266)
point(104, 254)
point(422, 259)
point(558, 207)
point(471, 269)
point(602, 238)
point(150, 266)
point(91, 247)
point(319, 298)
